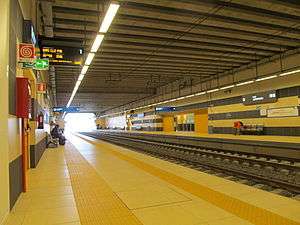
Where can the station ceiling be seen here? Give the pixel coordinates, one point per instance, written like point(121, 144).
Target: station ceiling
point(155, 42)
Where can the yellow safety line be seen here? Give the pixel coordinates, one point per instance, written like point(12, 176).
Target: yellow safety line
point(96, 203)
point(244, 210)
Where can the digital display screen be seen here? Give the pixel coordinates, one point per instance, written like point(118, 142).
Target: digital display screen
point(260, 98)
point(62, 55)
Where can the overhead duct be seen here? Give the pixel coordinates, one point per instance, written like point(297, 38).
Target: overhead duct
point(47, 17)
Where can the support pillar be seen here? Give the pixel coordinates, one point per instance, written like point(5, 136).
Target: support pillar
point(201, 121)
point(168, 123)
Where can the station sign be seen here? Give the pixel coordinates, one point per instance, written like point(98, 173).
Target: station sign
point(37, 64)
point(66, 109)
point(260, 98)
point(62, 55)
point(165, 109)
point(26, 52)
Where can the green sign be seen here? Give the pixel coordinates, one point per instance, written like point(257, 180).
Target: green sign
point(27, 65)
point(41, 64)
point(37, 64)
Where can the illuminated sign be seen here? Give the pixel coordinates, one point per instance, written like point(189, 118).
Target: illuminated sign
point(62, 55)
point(165, 109)
point(260, 98)
point(65, 109)
point(26, 52)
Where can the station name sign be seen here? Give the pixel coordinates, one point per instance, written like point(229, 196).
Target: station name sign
point(165, 109)
point(65, 109)
point(62, 55)
point(260, 98)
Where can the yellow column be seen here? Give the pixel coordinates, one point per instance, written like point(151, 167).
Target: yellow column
point(201, 121)
point(168, 123)
point(101, 122)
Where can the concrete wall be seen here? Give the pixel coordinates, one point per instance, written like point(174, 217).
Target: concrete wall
point(4, 158)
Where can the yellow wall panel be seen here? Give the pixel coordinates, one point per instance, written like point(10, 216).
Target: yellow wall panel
point(201, 121)
point(168, 123)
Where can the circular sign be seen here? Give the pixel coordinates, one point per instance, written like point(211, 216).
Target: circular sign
point(26, 51)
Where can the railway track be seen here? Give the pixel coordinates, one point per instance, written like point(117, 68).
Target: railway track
point(276, 174)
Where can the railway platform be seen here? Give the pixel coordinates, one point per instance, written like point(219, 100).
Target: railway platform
point(94, 182)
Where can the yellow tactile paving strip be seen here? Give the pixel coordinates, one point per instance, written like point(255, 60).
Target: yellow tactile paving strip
point(96, 203)
point(244, 210)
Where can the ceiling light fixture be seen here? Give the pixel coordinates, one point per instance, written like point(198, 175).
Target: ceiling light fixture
point(109, 16)
point(265, 78)
point(81, 76)
point(289, 73)
point(84, 69)
point(213, 90)
point(245, 83)
point(98, 40)
point(89, 58)
point(227, 87)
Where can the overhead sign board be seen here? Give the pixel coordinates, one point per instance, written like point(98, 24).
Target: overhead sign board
point(65, 109)
point(26, 52)
point(260, 98)
point(165, 109)
point(62, 55)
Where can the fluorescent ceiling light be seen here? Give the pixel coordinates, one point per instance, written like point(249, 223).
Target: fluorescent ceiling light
point(89, 58)
point(77, 83)
point(266, 78)
point(109, 16)
point(84, 69)
point(189, 96)
point(227, 87)
point(81, 76)
point(244, 83)
point(213, 90)
point(289, 73)
point(97, 42)
point(200, 93)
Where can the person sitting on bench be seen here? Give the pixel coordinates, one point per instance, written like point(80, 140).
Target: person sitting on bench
point(238, 125)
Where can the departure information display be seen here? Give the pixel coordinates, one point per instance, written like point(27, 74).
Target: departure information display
point(62, 55)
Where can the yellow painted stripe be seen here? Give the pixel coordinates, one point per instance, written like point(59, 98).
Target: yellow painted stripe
point(244, 210)
point(97, 204)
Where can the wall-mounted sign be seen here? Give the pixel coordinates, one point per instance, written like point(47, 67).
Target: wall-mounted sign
point(62, 55)
point(37, 64)
point(41, 88)
point(165, 109)
point(26, 52)
point(283, 112)
point(27, 65)
point(260, 98)
point(140, 115)
point(41, 64)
